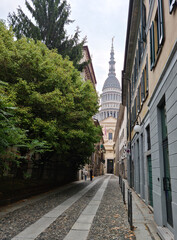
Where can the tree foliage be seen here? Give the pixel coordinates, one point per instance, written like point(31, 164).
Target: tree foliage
point(10, 134)
point(49, 20)
point(53, 104)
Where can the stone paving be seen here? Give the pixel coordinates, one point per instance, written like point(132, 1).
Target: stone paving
point(110, 221)
point(14, 222)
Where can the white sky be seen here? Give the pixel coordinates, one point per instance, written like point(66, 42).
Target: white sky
point(99, 20)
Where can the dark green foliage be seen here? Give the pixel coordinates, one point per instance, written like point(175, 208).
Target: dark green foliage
point(10, 134)
point(54, 107)
point(50, 18)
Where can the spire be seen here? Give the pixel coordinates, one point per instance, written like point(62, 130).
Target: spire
point(112, 62)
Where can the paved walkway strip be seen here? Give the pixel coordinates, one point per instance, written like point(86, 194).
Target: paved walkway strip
point(80, 229)
point(31, 232)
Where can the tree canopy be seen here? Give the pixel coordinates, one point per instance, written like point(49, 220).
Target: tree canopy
point(53, 104)
point(48, 23)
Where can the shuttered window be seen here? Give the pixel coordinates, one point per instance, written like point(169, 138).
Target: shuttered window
point(139, 51)
point(143, 22)
point(160, 23)
point(132, 86)
point(138, 100)
point(136, 69)
point(171, 5)
point(134, 112)
point(147, 77)
point(132, 116)
point(152, 46)
point(142, 88)
point(156, 35)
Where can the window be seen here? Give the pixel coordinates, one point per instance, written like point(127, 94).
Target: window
point(138, 99)
point(160, 23)
point(156, 34)
point(134, 112)
point(144, 82)
point(148, 137)
point(110, 136)
point(171, 5)
point(142, 88)
point(152, 46)
point(139, 51)
point(146, 77)
point(143, 22)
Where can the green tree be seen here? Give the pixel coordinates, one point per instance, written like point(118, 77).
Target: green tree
point(10, 134)
point(48, 24)
point(53, 104)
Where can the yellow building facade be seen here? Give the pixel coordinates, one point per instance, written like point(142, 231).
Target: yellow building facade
point(149, 90)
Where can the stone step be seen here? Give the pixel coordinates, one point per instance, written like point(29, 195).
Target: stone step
point(165, 233)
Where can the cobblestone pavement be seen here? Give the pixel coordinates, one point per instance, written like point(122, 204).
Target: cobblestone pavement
point(15, 222)
point(110, 221)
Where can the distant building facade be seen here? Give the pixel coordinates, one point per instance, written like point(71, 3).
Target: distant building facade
point(120, 147)
point(88, 71)
point(108, 114)
point(97, 158)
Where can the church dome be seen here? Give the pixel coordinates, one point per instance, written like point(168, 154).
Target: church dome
point(111, 82)
point(111, 93)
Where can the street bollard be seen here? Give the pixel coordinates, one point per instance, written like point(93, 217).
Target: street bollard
point(130, 215)
point(123, 191)
point(120, 182)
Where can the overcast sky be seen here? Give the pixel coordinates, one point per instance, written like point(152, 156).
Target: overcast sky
point(99, 20)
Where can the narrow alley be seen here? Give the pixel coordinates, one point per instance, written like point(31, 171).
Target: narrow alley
point(81, 210)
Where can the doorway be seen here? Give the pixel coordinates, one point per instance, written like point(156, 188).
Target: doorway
point(110, 166)
point(166, 166)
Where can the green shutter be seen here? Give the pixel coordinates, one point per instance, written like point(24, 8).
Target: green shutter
point(137, 61)
point(139, 51)
point(143, 22)
point(138, 99)
point(136, 68)
point(147, 77)
point(152, 46)
point(132, 86)
point(132, 116)
point(160, 23)
point(134, 74)
point(171, 5)
point(142, 88)
point(134, 112)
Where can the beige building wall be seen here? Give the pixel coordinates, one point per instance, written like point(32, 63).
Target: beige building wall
point(108, 127)
point(123, 145)
point(120, 139)
point(150, 77)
